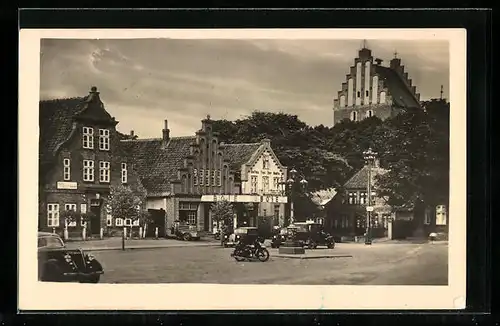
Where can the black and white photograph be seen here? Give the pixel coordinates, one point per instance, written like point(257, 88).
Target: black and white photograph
point(209, 161)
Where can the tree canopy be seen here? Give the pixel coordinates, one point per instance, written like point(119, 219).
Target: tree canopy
point(413, 146)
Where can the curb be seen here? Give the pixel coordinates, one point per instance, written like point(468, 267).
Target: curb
point(146, 247)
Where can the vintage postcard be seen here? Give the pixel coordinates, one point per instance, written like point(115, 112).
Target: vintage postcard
point(242, 169)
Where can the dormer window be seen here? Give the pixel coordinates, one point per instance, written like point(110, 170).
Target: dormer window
point(88, 137)
point(369, 113)
point(104, 139)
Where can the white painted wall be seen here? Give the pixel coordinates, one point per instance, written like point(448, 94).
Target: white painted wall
point(375, 90)
point(358, 83)
point(350, 92)
point(259, 172)
point(155, 203)
point(382, 97)
point(342, 101)
point(367, 82)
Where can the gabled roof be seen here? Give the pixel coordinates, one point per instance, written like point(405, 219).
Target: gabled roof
point(360, 179)
point(157, 163)
point(239, 154)
point(401, 94)
point(323, 197)
point(57, 118)
point(55, 124)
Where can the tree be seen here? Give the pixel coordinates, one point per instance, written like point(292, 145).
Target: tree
point(416, 154)
point(126, 202)
point(222, 212)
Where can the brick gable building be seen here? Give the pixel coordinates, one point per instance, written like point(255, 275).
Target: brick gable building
point(184, 176)
point(372, 89)
point(80, 158)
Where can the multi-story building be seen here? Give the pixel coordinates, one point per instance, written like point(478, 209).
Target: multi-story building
point(184, 176)
point(80, 158)
point(372, 89)
point(262, 181)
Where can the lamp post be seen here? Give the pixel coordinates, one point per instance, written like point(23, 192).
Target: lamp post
point(369, 156)
point(291, 246)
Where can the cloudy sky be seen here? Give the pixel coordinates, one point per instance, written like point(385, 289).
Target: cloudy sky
point(144, 81)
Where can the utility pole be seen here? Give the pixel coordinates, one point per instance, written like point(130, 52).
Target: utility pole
point(441, 97)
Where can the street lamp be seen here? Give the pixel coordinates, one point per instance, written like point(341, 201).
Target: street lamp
point(369, 156)
point(291, 246)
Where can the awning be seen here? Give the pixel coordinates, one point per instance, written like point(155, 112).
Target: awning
point(245, 198)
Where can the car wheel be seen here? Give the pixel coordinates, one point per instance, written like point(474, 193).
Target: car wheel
point(312, 245)
point(51, 272)
point(331, 245)
point(186, 237)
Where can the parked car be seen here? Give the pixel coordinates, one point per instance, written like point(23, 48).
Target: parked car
point(186, 232)
point(56, 263)
point(312, 235)
point(278, 238)
point(241, 232)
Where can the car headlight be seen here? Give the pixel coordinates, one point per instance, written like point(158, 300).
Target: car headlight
point(90, 257)
point(67, 258)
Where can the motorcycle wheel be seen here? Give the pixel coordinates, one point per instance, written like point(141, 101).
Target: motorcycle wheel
point(312, 245)
point(236, 256)
point(262, 254)
point(331, 245)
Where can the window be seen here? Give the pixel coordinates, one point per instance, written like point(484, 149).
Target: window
point(88, 137)
point(276, 211)
point(219, 178)
point(128, 222)
point(109, 220)
point(202, 177)
point(195, 177)
point(88, 170)
point(369, 113)
point(362, 198)
point(265, 184)
point(207, 182)
point(83, 208)
point(427, 216)
point(118, 221)
point(367, 93)
point(354, 116)
point(53, 215)
point(70, 207)
point(191, 217)
point(214, 175)
point(124, 173)
point(359, 94)
point(441, 215)
point(351, 198)
point(276, 183)
point(103, 171)
point(253, 184)
point(104, 139)
point(265, 162)
point(66, 169)
point(136, 222)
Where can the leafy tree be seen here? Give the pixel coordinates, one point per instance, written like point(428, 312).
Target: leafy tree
point(127, 203)
point(416, 153)
point(222, 212)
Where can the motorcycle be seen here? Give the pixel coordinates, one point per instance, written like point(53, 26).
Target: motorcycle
point(250, 251)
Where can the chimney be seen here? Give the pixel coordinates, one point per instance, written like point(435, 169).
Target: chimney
point(166, 132)
point(131, 133)
point(93, 94)
point(266, 141)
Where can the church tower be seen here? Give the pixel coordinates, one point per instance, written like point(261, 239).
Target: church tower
point(372, 89)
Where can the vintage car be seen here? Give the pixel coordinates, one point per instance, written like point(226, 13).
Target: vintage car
point(56, 263)
point(278, 238)
point(312, 235)
point(186, 232)
point(240, 233)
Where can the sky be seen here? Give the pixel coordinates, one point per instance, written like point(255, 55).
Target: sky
point(143, 82)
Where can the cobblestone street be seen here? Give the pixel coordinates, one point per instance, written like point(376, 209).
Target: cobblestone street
point(379, 264)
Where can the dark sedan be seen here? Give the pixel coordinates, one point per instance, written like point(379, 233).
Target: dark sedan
point(56, 263)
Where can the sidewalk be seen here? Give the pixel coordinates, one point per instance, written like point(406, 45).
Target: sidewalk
point(116, 244)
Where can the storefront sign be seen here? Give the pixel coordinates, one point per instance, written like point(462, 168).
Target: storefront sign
point(67, 185)
point(245, 198)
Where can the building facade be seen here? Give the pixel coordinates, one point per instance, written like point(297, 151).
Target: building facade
point(80, 158)
point(372, 89)
point(184, 176)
